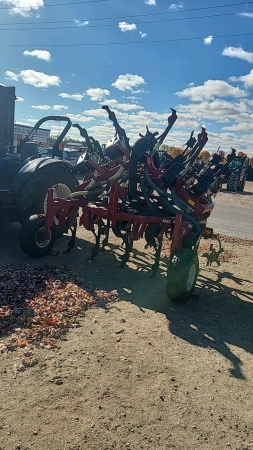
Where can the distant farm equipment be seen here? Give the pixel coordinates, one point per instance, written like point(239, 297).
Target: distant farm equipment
point(236, 173)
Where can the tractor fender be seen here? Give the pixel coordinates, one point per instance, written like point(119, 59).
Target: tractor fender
point(28, 169)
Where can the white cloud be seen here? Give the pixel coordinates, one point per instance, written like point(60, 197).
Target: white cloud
point(191, 83)
point(235, 117)
point(220, 111)
point(247, 80)
point(150, 2)
point(211, 89)
point(124, 26)
point(176, 6)
point(19, 99)
point(23, 7)
point(139, 91)
point(60, 107)
point(40, 54)
point(143, 35)
point(135, 121)
point(238, 52)
point(9, 75)
point(128, 81)
point(47, 107)
point(208, 40)
point(243, 126)
point(249, 102)
point(189, 118)
point(30, 120)
point(113, 103)
point(41, 107)
point(97, 94)
point(246, 14)
point(36, 79)
point(39, 79)
point(80, 118)
point(77, 97)
point(132, 97)
point(81, 24)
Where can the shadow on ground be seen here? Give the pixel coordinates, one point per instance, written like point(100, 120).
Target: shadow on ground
point(221, 318)
point(243, 193)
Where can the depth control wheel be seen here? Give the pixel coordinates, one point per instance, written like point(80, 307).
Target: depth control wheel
point(35, 239)
point(182, 275)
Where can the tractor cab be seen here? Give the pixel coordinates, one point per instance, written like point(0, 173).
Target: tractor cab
point(26, 175)
point(11, 163)
point(236, 164)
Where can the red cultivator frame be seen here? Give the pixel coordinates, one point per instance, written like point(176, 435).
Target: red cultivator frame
point(134, 197)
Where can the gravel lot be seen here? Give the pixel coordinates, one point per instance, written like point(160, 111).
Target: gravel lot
point(135, 371)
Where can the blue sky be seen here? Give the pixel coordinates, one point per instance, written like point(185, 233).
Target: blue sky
point(71, 58)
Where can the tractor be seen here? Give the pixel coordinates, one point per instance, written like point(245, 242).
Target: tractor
point(236, 174)
point(250, 171)
point(134, 196)
point(25, 177)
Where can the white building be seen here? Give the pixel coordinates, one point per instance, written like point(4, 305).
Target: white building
point(21, 131)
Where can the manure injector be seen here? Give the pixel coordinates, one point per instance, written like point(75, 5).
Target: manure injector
point(134, 197)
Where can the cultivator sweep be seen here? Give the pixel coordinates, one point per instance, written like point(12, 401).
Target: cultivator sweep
point(135, 197)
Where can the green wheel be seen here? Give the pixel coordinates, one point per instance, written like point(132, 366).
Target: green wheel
point(182, 275)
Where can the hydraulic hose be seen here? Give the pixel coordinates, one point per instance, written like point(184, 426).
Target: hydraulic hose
point(145, 194)
point(96, 191)
point(192, 154)
point(179, 201)
point(115, 177)
point(91, 192)
point(184, 214)
point(93, 180)
point(169, 207)
point(189, 161)
point(162, 193)
point(119, 131)
point(120, 171)
point(171, 120)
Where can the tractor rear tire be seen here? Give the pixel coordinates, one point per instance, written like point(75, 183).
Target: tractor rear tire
point(182, 275)
point(32, 198)
point(33, 238)
point(232, 182)
point(241, 187)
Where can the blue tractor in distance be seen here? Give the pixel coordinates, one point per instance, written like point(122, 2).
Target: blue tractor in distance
point(236, 173)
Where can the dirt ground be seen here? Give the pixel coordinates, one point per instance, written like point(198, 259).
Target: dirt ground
point(140, 373)
point(244, 198)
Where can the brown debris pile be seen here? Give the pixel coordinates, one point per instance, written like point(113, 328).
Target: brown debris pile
point(225, 256)
point(204, 247)
point(39, 304)
point(235, 240)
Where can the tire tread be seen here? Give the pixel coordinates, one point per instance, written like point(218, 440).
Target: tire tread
point(177, 275)
point(27, 236)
